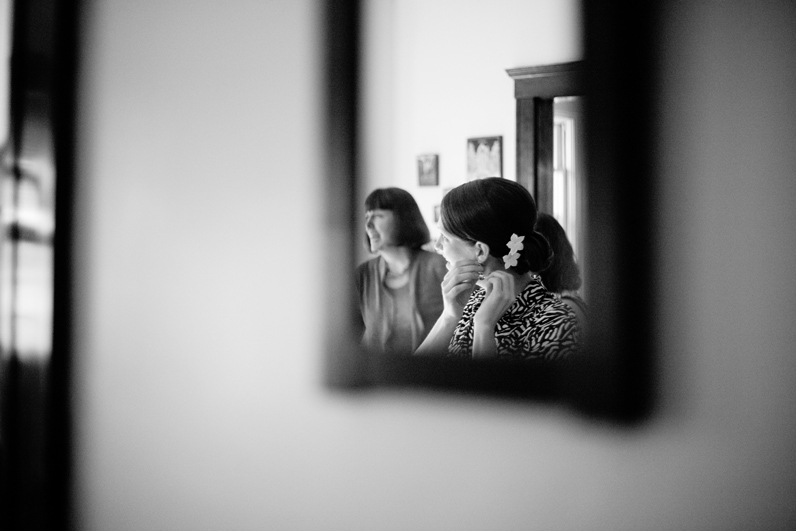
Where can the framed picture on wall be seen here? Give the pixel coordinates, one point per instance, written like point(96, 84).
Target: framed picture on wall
point(428, 170)
point(484, 157)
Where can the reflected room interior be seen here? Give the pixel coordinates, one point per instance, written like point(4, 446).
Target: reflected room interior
point(420, 96)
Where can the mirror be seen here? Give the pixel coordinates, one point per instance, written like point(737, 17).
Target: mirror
point(612, 380)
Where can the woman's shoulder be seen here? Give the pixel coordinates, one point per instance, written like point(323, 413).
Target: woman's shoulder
point(368, 268)
point(430, 256)
point(543, 307)
point(551, 325)
point(431, 260)
point(578, 306)
point(371, 263)
point(572, 298)
point(535, 295)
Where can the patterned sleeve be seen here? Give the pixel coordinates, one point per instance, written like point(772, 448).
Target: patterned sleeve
point(461, 344)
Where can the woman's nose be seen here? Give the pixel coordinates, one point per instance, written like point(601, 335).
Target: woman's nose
point(437, 244)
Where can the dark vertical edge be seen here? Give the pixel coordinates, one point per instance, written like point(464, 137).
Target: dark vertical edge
point(501, 171)
point(23, 422)
point(620, 47)
point(543, 154)
point(17, 66)
point(525, 137)
point(64, 101)
point(345, 367)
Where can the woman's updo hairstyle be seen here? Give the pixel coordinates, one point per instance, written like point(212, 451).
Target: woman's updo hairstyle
point(491, 210)
point(563, 274)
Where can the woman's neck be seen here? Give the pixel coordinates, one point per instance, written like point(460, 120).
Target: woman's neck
point(521, 281)
point(398, 259)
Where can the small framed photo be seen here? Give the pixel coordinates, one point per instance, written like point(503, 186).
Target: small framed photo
point(484, 157)
point(428, 170)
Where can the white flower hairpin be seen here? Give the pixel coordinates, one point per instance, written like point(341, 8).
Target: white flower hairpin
point(515, 246)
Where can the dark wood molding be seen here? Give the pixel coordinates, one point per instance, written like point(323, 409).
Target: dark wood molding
point(548, 81)
point(543, 154)
point(526, 125)
point(535, 87)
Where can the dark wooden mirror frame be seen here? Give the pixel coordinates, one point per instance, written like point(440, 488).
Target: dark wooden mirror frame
point(615, 382)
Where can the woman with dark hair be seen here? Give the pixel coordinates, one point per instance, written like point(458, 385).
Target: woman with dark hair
point(399, 290)
point(495, 305)
point(562, 276)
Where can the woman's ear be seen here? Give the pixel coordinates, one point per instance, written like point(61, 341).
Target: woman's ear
point(481, 252)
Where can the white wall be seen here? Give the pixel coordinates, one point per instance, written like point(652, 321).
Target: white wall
point(435, 74)
point(200, 213)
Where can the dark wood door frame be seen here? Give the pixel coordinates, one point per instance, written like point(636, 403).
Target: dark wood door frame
point(534, 89)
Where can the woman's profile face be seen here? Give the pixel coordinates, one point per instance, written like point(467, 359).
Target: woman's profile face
point(453, 248)
point(380, 226)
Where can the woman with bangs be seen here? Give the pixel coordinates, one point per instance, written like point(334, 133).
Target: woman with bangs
point(495, 305)
point(399, 290)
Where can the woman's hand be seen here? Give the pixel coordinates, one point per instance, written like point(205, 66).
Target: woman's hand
point(499, 297)
point(499, 287)
point(458, 285)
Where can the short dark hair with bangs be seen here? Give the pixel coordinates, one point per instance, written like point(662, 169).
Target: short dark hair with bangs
point(411, 228)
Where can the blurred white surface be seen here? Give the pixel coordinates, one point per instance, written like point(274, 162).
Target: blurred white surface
point(199, 401)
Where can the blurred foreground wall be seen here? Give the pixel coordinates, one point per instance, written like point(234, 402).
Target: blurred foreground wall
point(199, 403)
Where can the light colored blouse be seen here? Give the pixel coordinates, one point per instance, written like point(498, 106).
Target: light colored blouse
point(377, 302)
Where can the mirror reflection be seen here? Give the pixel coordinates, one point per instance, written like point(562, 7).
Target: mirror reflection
point(492, 302)
point(399, 289)
point(569, 180)
point(454, 263)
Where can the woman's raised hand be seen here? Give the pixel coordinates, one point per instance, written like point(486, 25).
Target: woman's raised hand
point(458, 285)
point(499, 297)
